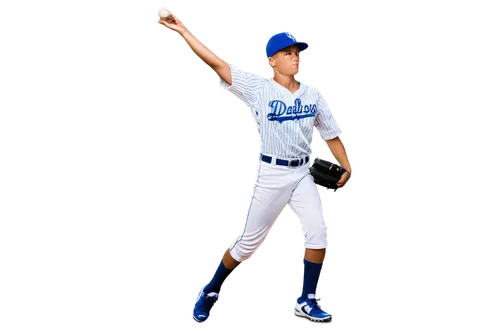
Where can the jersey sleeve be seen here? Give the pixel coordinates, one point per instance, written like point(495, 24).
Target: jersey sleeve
point(246, 86)
point(324, 121)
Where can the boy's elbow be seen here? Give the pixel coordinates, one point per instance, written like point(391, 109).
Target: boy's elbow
point(224, 71)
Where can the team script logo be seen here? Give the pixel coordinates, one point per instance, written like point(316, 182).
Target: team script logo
point(281, 112)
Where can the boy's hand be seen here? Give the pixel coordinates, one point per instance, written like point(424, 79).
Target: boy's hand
point(173, 23)
point(345, 177)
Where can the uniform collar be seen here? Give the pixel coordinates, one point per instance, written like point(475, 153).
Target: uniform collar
point(299, 91)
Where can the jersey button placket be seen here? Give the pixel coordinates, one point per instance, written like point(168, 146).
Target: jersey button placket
point(294, 115)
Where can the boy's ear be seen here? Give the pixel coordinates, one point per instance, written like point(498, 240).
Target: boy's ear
point(272, 61)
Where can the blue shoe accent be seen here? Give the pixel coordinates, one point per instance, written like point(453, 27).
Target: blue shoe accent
point(203, 305)
point(311, 310)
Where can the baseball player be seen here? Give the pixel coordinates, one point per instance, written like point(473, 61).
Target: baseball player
point(285, 111)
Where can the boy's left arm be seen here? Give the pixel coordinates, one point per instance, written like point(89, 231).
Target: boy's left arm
point(328, 128)
point(338, 151)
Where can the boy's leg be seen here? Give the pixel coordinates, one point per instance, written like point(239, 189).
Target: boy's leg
point(210, 293)
point(306, 203)
point(271, 194)
point(229, 261)
point(313, 261)
point(225, 268)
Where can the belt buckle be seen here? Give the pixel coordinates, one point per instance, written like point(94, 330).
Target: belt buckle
point(289, 163)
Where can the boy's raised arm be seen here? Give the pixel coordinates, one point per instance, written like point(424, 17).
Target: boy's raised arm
point(217, 64)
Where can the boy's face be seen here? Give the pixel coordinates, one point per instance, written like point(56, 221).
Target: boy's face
point(286, 60)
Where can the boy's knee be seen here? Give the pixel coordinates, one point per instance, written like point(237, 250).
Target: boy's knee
point(241, 253)
point(316, 238)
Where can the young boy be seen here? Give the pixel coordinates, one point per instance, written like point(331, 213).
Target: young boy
point(285, 111)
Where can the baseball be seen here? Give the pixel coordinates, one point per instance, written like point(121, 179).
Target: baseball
point(164, 12)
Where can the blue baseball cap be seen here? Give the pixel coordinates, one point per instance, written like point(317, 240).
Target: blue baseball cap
point(280, 41)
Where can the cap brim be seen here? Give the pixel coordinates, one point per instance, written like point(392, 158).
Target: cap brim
point(302, 46)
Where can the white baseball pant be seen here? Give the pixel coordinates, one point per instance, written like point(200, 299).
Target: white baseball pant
point(276, 187)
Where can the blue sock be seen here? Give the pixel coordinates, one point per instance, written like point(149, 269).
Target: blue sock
point(311, 277)
point(220, 275)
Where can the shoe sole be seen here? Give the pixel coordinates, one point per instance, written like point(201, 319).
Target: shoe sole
point(314, 320)
point(198, 321)
point(311, 318)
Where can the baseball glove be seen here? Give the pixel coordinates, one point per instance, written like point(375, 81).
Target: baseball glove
point(326, 174)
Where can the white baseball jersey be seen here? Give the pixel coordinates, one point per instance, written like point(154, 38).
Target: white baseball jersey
point(285, 121)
